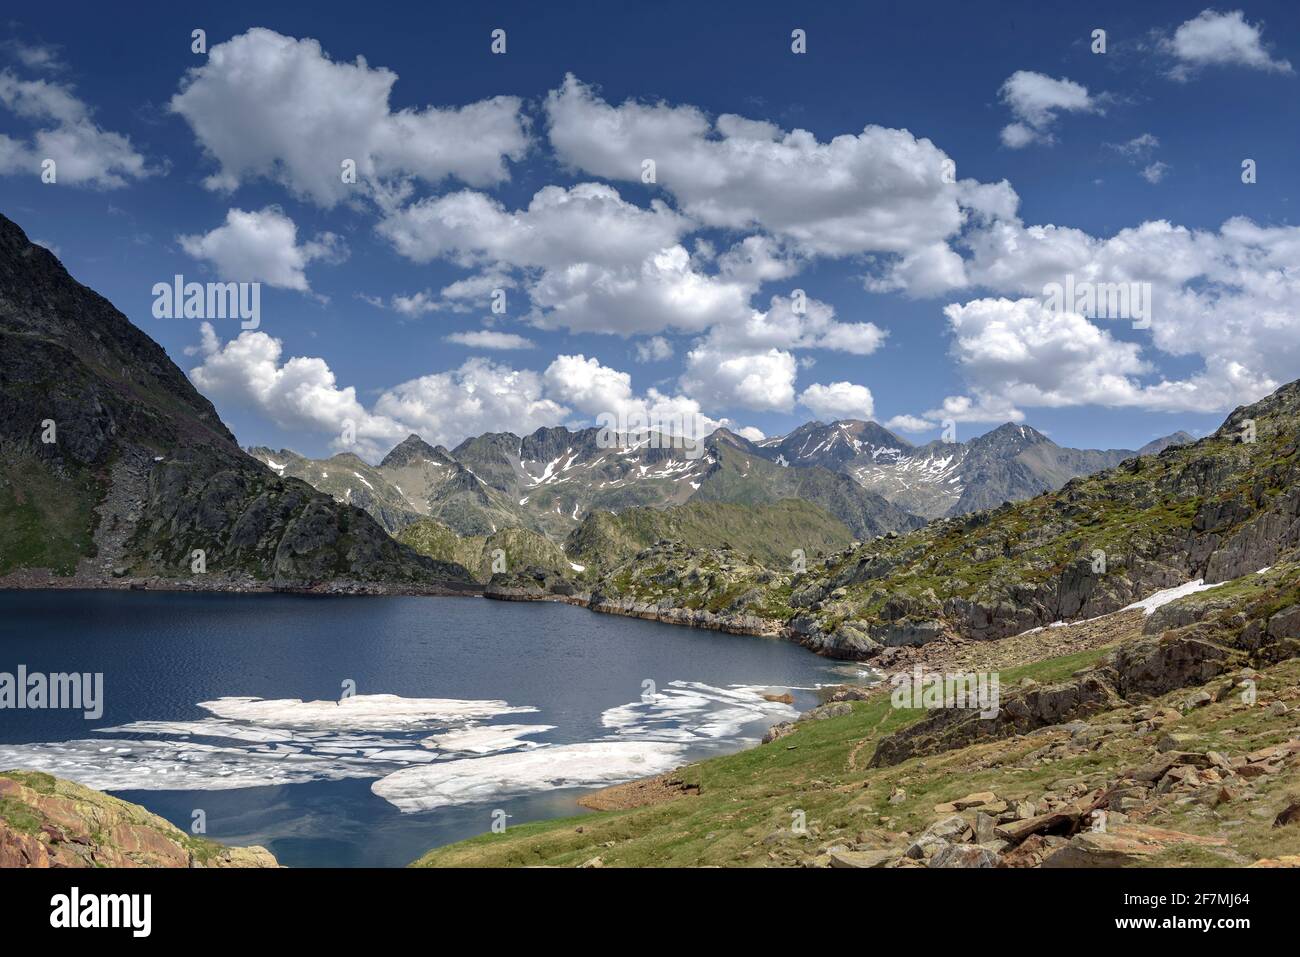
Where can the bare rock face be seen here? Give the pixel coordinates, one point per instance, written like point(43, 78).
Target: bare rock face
point(49, 822)
point(1156, 665)
point(1020, 712)
point(531, 583)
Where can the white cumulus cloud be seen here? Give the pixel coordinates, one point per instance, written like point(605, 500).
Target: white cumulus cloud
point(838, 400)
point(1220, 39)
point(262, 246)
point(1035, 100)
point(267, 105)
point(84, 153)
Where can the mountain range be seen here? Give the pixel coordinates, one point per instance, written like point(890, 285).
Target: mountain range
point(551, 480)
point(1010, 463)
point(865, 476)
point(1223, 507)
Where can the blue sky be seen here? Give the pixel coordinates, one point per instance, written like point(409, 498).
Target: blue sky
point(775, 171)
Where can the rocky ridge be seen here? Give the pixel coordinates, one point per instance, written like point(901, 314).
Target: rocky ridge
point(1009, 463)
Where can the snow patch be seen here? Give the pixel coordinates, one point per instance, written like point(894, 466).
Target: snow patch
point(1160, 598)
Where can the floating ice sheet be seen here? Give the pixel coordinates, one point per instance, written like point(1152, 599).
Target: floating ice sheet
point(373, 712)
point(689, 710)
point(425, 752)
point(486, 739)
point(472, 780)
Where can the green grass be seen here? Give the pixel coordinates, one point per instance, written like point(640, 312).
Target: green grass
point(20, 817)
point(38, 781)
point(522, 547)
point(1052, 670)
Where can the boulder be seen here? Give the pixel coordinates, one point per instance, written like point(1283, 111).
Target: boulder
point(836, 709)
point(1051, 822)
point(846, 858)
point(964, 855)
point(1285, 624)
point(1123, 845)
point(778, 731)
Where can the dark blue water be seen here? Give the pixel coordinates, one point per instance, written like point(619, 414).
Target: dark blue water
point(161, 654)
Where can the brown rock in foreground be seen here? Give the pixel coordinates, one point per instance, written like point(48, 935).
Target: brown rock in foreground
point(48, 822)
point(1123, 845)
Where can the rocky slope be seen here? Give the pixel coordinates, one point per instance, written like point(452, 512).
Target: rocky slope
point(347, 479)
point(48, 822)
point(113, 468)
point(1214, 510)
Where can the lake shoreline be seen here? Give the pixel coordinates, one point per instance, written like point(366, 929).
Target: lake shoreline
point(626, 608)
point(44, 580)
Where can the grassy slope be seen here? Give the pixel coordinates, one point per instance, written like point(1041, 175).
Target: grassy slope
point(46, 521)
point(768, 533)
point(522, 548)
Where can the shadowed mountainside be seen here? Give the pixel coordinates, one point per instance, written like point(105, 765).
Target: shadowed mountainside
point(113, 467)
